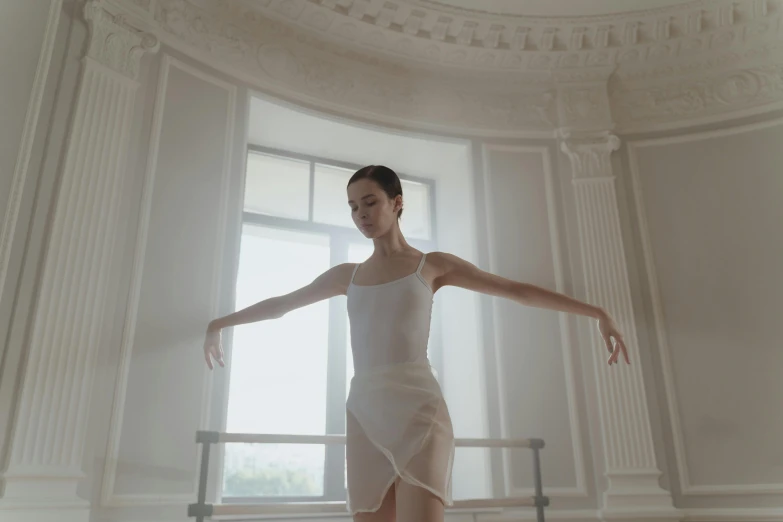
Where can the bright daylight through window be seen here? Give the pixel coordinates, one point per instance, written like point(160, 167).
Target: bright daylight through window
point(292, 375)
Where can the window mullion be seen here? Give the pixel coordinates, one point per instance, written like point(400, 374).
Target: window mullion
point(311, 204)
point(334, 465)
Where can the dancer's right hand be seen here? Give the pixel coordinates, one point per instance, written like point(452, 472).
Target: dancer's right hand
point(213, 348)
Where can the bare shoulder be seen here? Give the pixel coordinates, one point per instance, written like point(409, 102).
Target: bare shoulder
point(444, 269)
point(443, 262)
point(329, 284)
point(338, 277)
point(451, 270)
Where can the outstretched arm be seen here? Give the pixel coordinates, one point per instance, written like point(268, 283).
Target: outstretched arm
point(331, 283)
point(454, 271)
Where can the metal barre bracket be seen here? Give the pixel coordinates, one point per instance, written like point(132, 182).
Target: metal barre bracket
point(537, 443)
point(210, 437)
point(200, 510)
point(541, 501)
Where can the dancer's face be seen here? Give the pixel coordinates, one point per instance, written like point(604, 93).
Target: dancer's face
point(373, 212)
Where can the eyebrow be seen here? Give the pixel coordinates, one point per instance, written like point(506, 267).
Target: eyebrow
point(363, 197)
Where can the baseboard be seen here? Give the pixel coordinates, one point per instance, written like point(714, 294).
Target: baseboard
point(552, 515)
point(734, 515)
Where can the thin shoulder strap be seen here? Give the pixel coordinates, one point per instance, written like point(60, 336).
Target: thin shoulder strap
point(354, 271)
point(421, 263)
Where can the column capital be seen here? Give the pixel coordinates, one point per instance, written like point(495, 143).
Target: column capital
point(114, 43)
point(590, 153)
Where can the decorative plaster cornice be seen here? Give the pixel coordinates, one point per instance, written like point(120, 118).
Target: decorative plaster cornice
point(299, 64)
point(751, 89)
point(433, 34)
point(284, 61)
point(613, 17)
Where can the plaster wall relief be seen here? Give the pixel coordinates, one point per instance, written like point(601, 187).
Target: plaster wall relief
point(583, 106)
point(667, 103)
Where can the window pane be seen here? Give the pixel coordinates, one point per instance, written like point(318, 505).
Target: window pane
point(278, 368)
point(330, 203)
point(277, 186)
point(416, 217)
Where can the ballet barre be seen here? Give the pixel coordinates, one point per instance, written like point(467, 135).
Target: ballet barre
point(254, 438)
point(201, 510)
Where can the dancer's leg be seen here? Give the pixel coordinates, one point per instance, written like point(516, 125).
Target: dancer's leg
point(386, 513)
point(416, 504)
point(369, 471)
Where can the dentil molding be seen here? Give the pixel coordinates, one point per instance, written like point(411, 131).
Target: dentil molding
point(434, 33)
point(702, 60)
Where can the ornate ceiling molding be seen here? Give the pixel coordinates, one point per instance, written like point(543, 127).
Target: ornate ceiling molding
point(277, 46)
point(441, 5)
point(433, 34)
point(702, 99)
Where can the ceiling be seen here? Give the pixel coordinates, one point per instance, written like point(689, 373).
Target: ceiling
point(553, 7)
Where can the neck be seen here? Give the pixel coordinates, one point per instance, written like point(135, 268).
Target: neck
point(391, 243)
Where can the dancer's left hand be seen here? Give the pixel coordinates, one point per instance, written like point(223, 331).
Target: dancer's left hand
point(613, 339)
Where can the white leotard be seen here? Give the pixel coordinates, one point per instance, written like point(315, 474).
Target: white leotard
point(398, 424)
point(390, 322)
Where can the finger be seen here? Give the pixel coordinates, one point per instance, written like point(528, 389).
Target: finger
point(216, 355)
point(615, 353)
point(209, 361)
point(617, 350)
point(625, 353)
point(608, 342)
point(220, 353)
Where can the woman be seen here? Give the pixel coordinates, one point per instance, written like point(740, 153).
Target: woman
point(400, 442)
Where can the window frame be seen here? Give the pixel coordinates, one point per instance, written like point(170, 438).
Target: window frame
point(340, 239)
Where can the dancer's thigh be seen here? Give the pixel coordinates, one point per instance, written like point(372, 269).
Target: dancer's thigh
point(416, 504)
point(386, 513)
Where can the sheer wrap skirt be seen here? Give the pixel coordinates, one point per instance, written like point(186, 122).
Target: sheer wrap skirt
point(398, 425)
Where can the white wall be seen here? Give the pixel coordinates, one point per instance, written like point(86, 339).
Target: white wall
point(160, 394)
point(26, 180)
point(709, 209)
point(538, 353)
point(22, 26)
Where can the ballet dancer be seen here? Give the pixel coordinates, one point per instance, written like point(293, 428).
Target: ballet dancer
point(399, 437)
